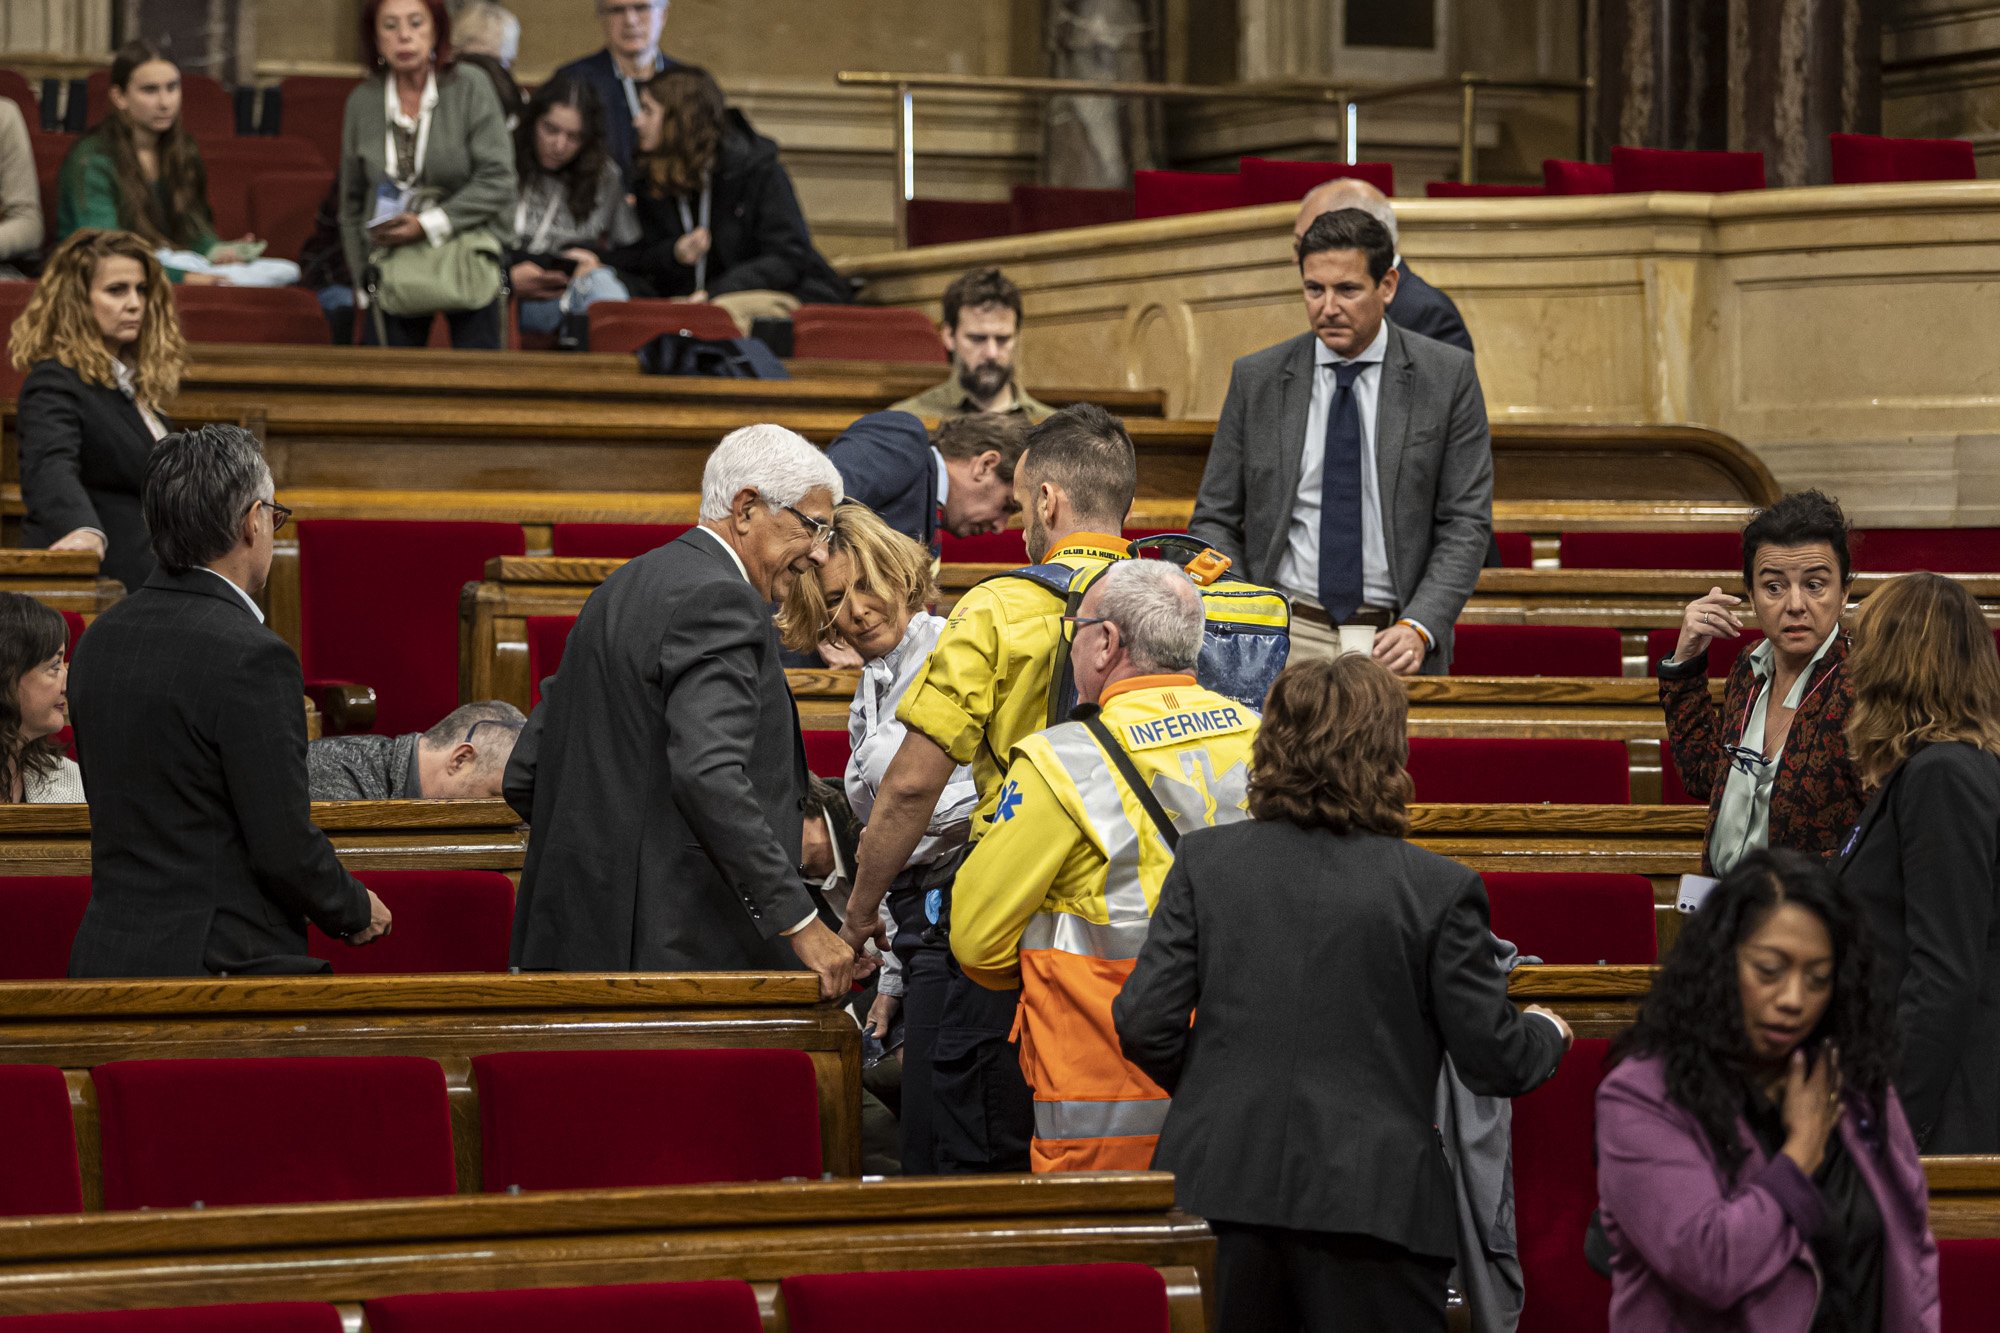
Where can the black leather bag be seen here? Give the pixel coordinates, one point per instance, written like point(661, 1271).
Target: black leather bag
point(718, 358)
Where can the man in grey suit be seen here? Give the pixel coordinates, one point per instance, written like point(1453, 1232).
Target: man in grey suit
point(662, 775)
point(1351, 466)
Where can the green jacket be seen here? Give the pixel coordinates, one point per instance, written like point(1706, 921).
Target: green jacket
point(87, 196)
point(468, 159)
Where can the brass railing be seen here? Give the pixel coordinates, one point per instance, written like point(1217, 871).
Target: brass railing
point(1350, 100)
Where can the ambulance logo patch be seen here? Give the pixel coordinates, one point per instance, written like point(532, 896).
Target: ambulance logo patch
point(1010, 801)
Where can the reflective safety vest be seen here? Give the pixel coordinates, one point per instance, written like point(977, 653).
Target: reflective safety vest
point(1061, 889)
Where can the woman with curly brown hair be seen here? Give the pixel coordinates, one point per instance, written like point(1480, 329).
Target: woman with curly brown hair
point(717, 213)
point(1925, 857)
point(103, 350)
point(1303, 978)
point(34, 704)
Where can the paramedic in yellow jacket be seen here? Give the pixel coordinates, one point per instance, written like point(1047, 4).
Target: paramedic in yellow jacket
point(1057, 896)
point(987, 686)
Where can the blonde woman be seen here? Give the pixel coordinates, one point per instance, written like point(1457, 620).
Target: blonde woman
point(1924, 860)
point(103, 350)
point(870, 597)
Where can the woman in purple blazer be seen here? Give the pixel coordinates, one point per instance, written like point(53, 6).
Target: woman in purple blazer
point(1754, 1168)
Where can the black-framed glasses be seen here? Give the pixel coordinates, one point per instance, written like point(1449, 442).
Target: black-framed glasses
point(508, 723)
point(280, 515)
point(821, 530)
point(1751, 761)
point(1073, 625)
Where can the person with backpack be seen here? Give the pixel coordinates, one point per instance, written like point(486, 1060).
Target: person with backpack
point(1058, 896)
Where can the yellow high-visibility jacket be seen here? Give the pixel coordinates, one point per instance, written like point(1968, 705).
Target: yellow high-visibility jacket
point(1057, 896)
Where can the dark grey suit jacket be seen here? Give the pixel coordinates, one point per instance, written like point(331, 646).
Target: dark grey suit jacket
point(191, 728)
point(84, 450)
point(886, 462)
point(663, 778)
point(1326, 976)
point(1422, 308)
point(1433, 460)
point(1925, 864)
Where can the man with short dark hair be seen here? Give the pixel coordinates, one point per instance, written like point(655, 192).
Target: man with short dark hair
point(1418, 307)
point(461, 758)
point(960, 480)
point(981, 332)
point(1351, 466)
point(631, 55)
point(190, 722)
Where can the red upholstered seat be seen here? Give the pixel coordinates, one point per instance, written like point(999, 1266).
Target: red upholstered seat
point(1575, 918)
point(1722, 653)
point(42, 913)
point(234, 165)
point(1517, 549)
point(1643, 170)
point(1486, 772)
point(446, 921)
point(1651, 550)
point(1555, 1192)
point(611, 541)
point(602, 1119)
point(73, 620)
point(228, 1131)
point(1940, 550)
point(1052, 1298)
point(547, 637)
point(652, 1307)
point(626, 326)
point(827, 753)
point(268, 1317)
point(285, 204)
point(1968, 1284)
point(1461, 190)
point(948, 221)
point(865, 333)
point(277, 315)
point(14, 296)
point(1166, 194)
point(1561, 176)
point(207, 109)
point(38, 1170)
point(314, 105)
point(378, 605)
point(1271, 180)
point(1054, 207)
point(1861, 159)
point(1536, 650)
point(15, 88)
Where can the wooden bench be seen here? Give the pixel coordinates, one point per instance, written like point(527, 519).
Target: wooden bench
point(65, 580)
point(367, 835)
point(78, 1025)
point(762, 1233)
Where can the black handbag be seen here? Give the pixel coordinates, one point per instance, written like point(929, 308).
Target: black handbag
point(718, 358)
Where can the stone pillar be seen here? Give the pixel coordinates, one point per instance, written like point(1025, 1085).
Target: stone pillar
point(213, 37)
point(1662, 74)
point(1098, 142)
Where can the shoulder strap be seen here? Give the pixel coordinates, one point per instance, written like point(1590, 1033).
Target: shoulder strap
point(1089, 715)
point(1063, 582)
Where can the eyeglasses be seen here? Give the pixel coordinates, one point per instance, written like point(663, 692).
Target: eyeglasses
point(821, 530)
point(1073, 625)
point(508, 723)
point(1752, 762)
point(280, 515)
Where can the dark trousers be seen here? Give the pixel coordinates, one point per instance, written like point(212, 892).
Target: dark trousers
point(480, 329)
point(924, 977)
point(1275, 1280)
point(984, 1113)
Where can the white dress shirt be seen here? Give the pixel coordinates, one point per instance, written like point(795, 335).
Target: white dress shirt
point(436, 224)
point(876, 735)
point(1298, 570)
point(255, 610)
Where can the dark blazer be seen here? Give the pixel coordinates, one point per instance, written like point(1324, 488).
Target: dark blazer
point(1433, 463)
point(886, 462)
point(1816, 796)
point(1925, 865)
point(1422, 308)
point(190, 725)
point(600, 71)
point(663, 777)
point(1327, 976)
point(83, 460)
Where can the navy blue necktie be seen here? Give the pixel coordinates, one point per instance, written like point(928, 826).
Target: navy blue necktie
point(1340, 498)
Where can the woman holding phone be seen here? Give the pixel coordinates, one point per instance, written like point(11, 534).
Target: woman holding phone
point(572, 206)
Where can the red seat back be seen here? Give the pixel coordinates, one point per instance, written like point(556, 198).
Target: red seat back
point(1722, 653)
point(1536, 650)
point(865, 333)
point(39, 1172)
point(262, 1317)
point(1561, 176)
point(611, 541)
point(698, 1307)
point(1054, 207)
point(1461, 190)
point(1166, 194)
point(287, 316)
point(1862, 159)
point(228, 1132)
point(378, 605)
point(827, 753)
point(284, 205)
point(42, 913)
point(1968, 1284)
point(1517, 550)
point(207, 109)
point(1488, 772)
point(15, 88)
point(626, 326)
point(949, 221)
point(553, 1120)
point(14, 297)
point(313, 106)
point(1049, 1298)
point(1575, 918)
point(1555, 1192)
point(446, 921)
point(1940, 550)
point(1651, 550)
point(1643, 170)
point(1271, 180)
point(547, 637)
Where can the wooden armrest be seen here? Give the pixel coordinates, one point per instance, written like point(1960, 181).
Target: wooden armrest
point(344, 707)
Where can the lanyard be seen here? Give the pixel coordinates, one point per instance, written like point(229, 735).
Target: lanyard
point(541, 233)
point(688, 224)
point(1750, 707)
point(393, 107)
